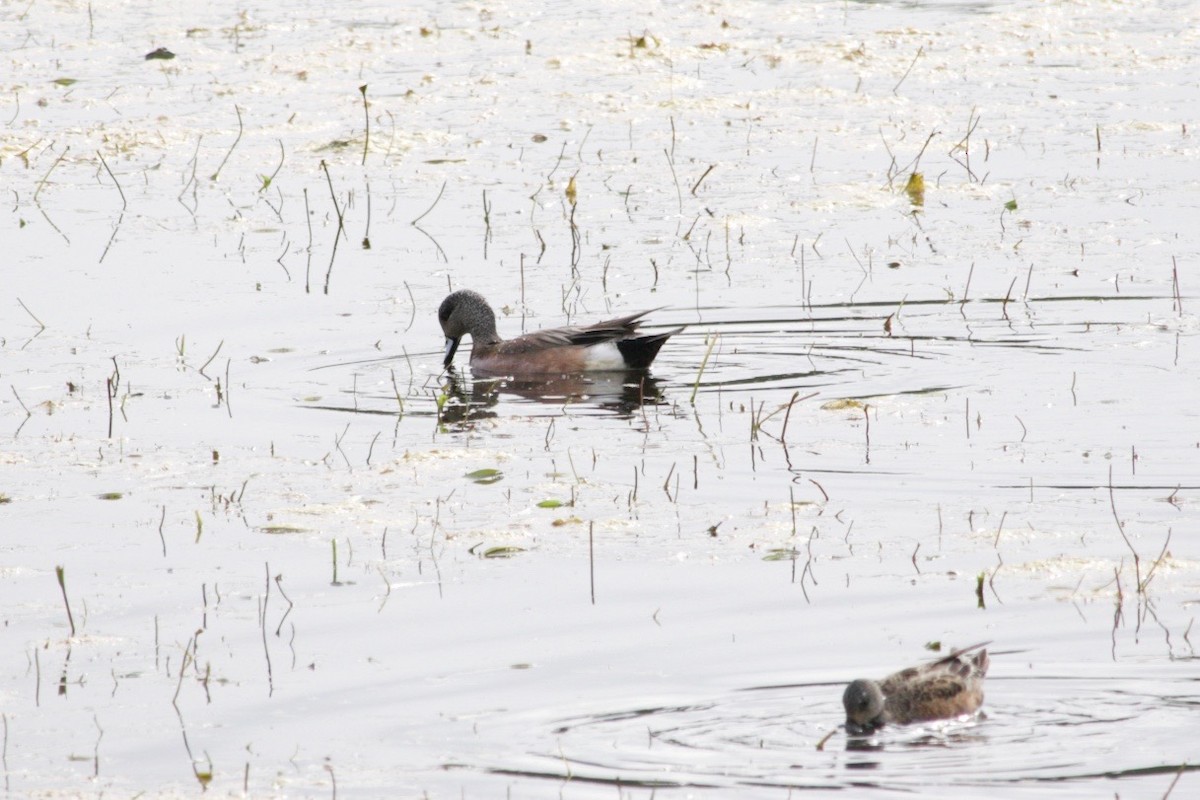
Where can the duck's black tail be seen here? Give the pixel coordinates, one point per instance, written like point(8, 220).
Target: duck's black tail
point(639, 352)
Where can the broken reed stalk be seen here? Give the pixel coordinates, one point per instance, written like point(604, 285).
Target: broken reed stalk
point(1175, 284)
point(46, 177)
point(792, 506)
point(267, 181)
point(703, 363)
point(867, 418)
point(366, 240)
point(431, 207)
point(1178, 773)
point(396, 391)
point(783, 436)
point(124, 204)
point(964, 144)
point(62, 584)
point(210, 358)
point(796, 396)
point(28, 413)
point(1121, 527)
point(111, 383)
point(674, 177)
point(291, 605)
point(183, 665)
point(1007, 297)
point(1150, 575)
point(162, 538)
point(262, 619)
point(700, 180)
point(221, 166)
point(228, 389)
point(667, 481)
point(367, 115)
point(42, 325)
point(336, 208)
point(755, 419)
point(920, 52)
point(966, 289)
point(487, 224)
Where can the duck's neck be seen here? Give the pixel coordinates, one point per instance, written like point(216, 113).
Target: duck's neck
point(485, 332)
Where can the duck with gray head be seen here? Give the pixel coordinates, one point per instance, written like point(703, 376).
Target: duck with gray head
point(614, 344)
point(950, 687)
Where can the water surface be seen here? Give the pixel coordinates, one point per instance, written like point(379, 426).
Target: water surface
point(300, 558)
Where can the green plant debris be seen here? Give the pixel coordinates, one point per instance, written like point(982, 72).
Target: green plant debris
point(842, 404)
point(111, 495)
point(781, 554)
point(502, 551)
point(65, 81)
point(484, 476)
point(282, 529)
point(1011, 205)
point(915, 189)
point(935, 646)
point(979, 588)
point(571, 520)
point(550, 504)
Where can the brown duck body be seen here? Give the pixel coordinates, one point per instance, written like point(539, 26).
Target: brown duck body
point(949, 687)
point(613, 344)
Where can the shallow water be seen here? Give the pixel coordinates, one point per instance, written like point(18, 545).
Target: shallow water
point(290, 572)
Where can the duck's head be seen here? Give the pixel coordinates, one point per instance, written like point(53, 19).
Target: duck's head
point(864, 704)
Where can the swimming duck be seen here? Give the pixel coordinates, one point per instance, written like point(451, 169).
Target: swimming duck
point(949, 687)
point(609, 345)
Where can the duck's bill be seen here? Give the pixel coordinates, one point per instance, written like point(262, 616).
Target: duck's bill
point(861, 728)
point(451, 349)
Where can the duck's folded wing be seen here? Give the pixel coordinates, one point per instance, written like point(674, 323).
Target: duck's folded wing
point(609, 330)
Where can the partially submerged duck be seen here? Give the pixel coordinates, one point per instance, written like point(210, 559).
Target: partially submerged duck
point(614, 344)
point(950, 687)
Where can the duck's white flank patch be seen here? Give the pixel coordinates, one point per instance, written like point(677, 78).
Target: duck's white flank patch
point(605, 356)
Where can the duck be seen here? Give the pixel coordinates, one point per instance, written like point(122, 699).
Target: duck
point(949, 687)
point(613, 344)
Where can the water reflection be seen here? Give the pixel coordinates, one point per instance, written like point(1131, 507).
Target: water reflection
point(620, 391)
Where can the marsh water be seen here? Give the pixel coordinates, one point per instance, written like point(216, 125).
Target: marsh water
point(256, 542)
